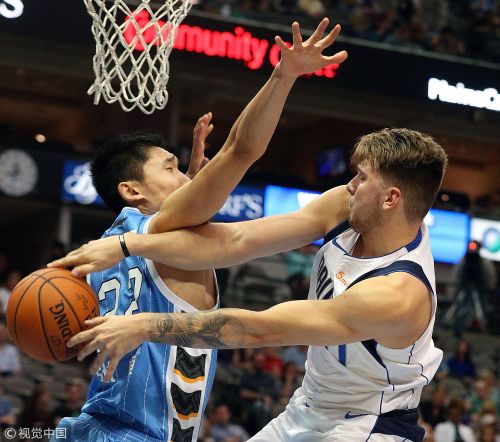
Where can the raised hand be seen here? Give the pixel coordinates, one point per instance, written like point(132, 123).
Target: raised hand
point(201, 131)
point(304, 57)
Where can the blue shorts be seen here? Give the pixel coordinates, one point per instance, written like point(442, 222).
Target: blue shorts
point(87, 428)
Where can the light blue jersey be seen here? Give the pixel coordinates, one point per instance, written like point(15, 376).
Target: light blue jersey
point(158, 392)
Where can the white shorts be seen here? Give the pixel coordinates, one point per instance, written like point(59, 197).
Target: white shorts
point(303, 423)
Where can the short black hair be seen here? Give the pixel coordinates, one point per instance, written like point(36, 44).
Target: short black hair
point(121, 158)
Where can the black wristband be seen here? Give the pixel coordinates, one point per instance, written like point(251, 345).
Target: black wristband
point(124, 246)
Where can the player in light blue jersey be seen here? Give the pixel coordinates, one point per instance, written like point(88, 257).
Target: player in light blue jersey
point(159, 391)
point(371, 306)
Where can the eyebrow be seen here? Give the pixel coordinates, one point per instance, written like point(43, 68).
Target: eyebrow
point(171, 158)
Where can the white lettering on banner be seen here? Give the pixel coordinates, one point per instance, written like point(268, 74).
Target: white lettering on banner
point(488, 98)
point(11, 8)
point(80, 185)
point(250, 205)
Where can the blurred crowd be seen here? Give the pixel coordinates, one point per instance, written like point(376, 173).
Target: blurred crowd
point(458, 27)
point(252, 386)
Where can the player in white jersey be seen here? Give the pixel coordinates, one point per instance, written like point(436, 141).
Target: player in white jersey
point(371, 306)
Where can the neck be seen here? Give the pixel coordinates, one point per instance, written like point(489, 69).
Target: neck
point(146, 209)
point(384, 240)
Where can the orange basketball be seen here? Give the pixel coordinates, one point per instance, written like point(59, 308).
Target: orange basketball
point(46, 309)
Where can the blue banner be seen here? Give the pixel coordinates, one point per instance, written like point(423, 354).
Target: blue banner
point(245, 203)
point(449, 234)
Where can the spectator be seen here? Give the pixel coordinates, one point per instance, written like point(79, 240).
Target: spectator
point(222, 430)
point(434, 14)
point(10, 364)
point(312, 8)
point(7, 416)
point(460, 365)
point(299, 265)
point(296, 354)
point(485, 390)
point(290, 381)
point(453, 429)
point(11, 280)
point(37, 412)
point(73, 402)
point(442, 372)
point(429, 432)
point(488, 429)
point(259, 390)
point(448, 42)
point(434, 410)
point(301, 260)
point(272, 363)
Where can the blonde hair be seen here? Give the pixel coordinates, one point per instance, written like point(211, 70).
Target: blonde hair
point(409, 160)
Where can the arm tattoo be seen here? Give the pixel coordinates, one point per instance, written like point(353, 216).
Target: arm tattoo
point(197, 330)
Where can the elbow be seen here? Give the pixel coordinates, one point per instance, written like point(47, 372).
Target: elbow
point(244, 151)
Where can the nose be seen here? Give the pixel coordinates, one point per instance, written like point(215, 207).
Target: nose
point(351, 186)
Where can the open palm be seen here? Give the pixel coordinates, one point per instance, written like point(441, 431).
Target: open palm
point(305, 57)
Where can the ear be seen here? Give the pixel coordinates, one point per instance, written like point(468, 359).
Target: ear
point(393, 197)
point(130, 192)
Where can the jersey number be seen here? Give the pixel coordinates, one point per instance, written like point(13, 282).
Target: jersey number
point(111, 288)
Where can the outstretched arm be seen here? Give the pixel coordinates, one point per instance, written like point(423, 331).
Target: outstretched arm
point(395, 306)
point(197, 201)
point(218, 245)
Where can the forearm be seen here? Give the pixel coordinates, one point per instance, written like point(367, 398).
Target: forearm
point(254, 128)
point(200, 199)
point(218, 245)
point(284, 324)
point(226, 328)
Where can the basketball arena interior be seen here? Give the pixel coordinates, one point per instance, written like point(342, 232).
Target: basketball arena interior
point(431, 66)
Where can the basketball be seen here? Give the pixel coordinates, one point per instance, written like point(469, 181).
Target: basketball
point(46, 309)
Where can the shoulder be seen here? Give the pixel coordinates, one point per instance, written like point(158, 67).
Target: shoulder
point(391, 307)
point(398, 286)
point(130, 219)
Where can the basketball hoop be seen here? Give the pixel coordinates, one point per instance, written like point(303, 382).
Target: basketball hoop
point(133, 43)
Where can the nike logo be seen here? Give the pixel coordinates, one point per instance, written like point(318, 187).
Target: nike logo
point(352, 416)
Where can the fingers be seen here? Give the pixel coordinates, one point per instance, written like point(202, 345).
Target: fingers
point(320, 30)
point(83, 270)
point(88, 349)
point(204, 162)
point(338, 58)
point(297, 38)
point(81, 337)
point(330, 38)
point(67, 261)
point(113, 363)
point(98, 361)
point(90, 323)
point(204, 120)
point(110, 369)
point(282, 45)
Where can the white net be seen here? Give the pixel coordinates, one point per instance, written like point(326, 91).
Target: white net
point(133, 44)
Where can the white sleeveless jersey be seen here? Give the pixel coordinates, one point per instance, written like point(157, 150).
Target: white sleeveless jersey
point(366, 376)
